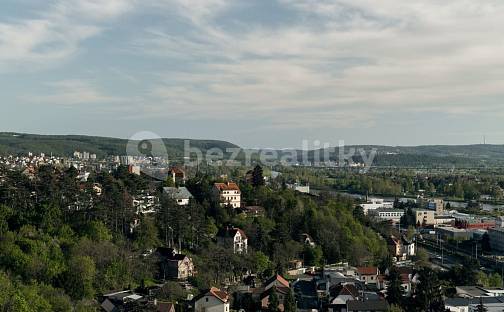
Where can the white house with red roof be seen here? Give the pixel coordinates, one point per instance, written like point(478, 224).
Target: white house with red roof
point(233, 237)
point(214, 300)
point(229, 194)
point(368, 275)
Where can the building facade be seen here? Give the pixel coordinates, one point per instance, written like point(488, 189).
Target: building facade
point(214, 300)
point(496, 238)
point(233, 238)
point(228, 193)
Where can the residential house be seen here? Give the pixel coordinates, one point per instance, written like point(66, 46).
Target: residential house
point(228, 194)
point(213, 300)
point(307, 240)
point(368, 275)
point(341, 294)
point(408, 247)
point(280, 286)
point(180, 195)
point(296, 267)
point(233, 237)
point(175, 265)
point(395, 247)
point(145, 203)
point(178, 175)
point(408, 278)
point(276, 281)
point(119, 300)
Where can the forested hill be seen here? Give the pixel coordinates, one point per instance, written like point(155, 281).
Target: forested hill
point(438, 155)
point(65, 145)
point(427, 155)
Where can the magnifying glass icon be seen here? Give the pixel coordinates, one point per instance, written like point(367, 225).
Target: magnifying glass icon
point(145, 148)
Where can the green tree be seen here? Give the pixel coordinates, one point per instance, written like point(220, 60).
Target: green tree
point(257, 176)
point(411, 232)
point(5, 213)
point(395, 291)
point(172, 291)
point(261, 262)
point(422, 257)
point(395, 308)
point(97, 231)
point(273, 300)
point(495, 280)
point(428, 295)
point(11, 300)
point(146, 235)
point(312, 255)
point(290, 302)
point(79, 279)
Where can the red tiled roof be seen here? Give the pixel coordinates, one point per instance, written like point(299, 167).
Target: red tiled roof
point(228, 186)
point(350, 290)
point(177, 171)
point(242, 233)
point(278, 278)
point(219, 294)
point(283, 281)
point(367, 270)
point(165, 307)
point(231, 232)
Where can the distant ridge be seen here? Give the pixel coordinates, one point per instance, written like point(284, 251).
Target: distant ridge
point(479, 155)
point(65, 145)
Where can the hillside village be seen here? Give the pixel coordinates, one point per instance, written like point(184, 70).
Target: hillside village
point(208, 242)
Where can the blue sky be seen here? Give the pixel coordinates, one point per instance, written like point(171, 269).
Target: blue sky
point(259, 73)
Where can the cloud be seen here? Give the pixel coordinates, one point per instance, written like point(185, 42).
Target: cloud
point(313, 63)
point(72, 92)
point(353, 60)
point(54, 34)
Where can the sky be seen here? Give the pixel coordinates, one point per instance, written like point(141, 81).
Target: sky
point(258, 73)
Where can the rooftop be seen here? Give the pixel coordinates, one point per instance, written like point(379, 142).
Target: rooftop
point(227, 186)
point(177, 192)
